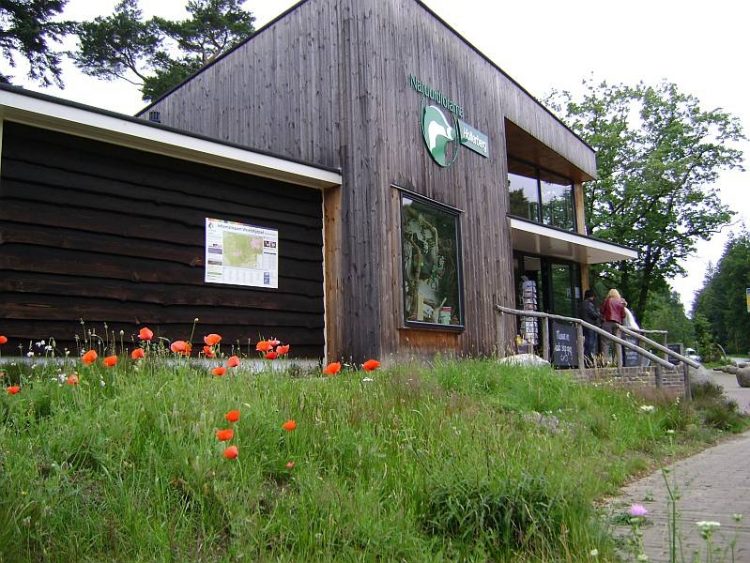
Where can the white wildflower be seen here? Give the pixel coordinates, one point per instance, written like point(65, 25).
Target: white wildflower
point(367, 379)
point(594, 553)
point(30, 354)
point(642, 557)
point(648, 408)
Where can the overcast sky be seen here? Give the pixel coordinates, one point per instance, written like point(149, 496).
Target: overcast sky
point(700, 46)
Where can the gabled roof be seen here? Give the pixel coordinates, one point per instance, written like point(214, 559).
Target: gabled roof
point(425, 7)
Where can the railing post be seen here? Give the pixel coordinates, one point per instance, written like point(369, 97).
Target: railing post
point(686, 381)
point(579, 347)
point(545, 341)
point(657, 373)
point(618, 349)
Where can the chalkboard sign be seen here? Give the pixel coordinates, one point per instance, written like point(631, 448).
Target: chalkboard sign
point(675, 348)
point(564, 345)
point(631, 358)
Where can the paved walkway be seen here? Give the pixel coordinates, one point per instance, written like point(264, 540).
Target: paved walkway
point(713, 485)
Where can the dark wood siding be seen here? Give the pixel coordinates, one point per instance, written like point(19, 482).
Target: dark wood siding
point(329, 84)
point(102, 233)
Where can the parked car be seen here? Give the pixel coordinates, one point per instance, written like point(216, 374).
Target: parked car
point(692, 354)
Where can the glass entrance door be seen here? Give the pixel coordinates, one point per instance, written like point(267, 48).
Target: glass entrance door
point(564, 288)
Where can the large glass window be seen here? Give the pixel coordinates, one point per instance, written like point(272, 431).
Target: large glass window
point(557, 202)
point(524, 196)
point(540, 196)
point(431, 255)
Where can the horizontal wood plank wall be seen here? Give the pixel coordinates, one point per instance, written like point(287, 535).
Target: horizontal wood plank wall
point(94, 231)
point(329, 83)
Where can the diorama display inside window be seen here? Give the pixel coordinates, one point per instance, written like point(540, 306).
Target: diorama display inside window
point(431, 261)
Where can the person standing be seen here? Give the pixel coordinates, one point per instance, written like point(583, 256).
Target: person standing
point(590, 314)
point(613, 314)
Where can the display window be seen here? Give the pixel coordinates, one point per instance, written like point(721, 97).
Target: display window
point(431, 257)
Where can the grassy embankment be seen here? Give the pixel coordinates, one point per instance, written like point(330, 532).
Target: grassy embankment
point(465, 460)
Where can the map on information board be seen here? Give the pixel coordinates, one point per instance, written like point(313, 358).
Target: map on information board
point(241, 254)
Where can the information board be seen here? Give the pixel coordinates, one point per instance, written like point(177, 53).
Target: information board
point(631, 358)
point(564, 344)
point(241, 254)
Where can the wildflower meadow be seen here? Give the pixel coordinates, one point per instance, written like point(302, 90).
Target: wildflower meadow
point(154, 450)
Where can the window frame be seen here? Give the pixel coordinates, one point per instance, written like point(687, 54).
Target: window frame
point(542, 173)
point(456, 214)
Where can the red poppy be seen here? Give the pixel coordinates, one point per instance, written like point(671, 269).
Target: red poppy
point(212, 339)
point(371, 365)
point(89, 357)
point(208, 351)
point(137, 354)
point(219, 371)
point(110, 361)
point(289, 425)
point(233, 362)
point(232, 416)
point(145, 334)
point(224, 435)
point(332, 369)
point(282, 350)
point(264, 346)
point(290, 465)
point(72, 379)
point(3, 339)
point(180, 347)
point(231, 452)
point(13, 389)
point(271, 355)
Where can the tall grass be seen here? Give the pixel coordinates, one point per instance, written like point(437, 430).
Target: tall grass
point(462, 460)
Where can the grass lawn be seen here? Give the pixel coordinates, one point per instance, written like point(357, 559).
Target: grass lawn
point(461, 460)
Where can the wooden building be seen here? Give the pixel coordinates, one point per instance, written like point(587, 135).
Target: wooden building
point(430, 186)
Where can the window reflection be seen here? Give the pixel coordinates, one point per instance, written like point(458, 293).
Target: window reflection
point(524, 196)
point(540, 196)
point(557, 204)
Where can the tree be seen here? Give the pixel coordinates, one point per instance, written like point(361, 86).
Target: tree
point(658, 156)
point(666, 312)
point(26, 29)
point(721, 300)
point(158, 54)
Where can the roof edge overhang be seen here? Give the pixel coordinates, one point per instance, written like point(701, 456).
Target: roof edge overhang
point(47, 112)
point(535, 238)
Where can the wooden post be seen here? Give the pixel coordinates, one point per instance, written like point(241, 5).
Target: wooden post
point(618, 350)
point(545, 340)
point(579, 347)
point(686, 381)
point(658, 380)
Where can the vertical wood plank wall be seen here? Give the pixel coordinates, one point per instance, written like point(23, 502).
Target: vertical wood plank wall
point(95, 231)
point(329, 84)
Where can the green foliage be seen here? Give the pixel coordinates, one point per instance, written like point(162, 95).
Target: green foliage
point(658, 155)
point(158, 54)
point(26, 29)
point(466, 460)
point(721, 302)
point(666, 312)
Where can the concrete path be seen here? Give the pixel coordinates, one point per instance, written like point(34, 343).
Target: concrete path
point(713, 485)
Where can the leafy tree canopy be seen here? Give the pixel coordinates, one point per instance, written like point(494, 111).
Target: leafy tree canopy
point(721, 301)
point(659, 155)
point(27, 29)
point(158, 54)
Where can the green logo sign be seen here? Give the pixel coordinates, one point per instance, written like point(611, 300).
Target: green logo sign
point(437, 133)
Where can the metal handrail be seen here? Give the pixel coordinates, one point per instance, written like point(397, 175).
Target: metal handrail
point(645, 353)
